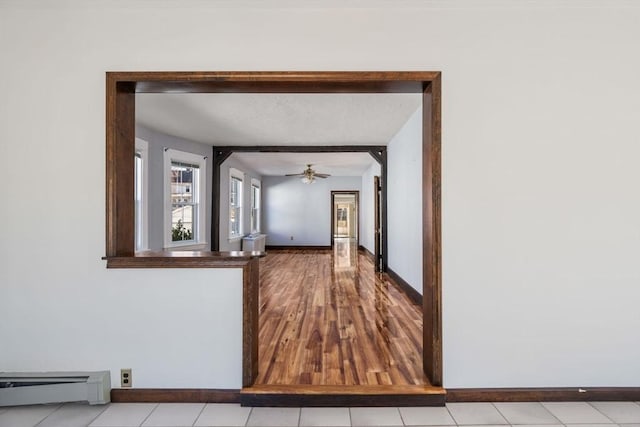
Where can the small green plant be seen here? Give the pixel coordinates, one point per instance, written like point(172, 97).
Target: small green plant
point(180, 233)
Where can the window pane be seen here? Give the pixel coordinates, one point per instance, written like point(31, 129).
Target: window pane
point(234, 220)
point(255, 208)
point(182, 222)
point(183, 183)
point(235, 206)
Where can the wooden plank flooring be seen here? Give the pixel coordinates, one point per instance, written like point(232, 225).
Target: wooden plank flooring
point(327, 319)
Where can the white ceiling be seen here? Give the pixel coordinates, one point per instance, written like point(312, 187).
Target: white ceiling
point(282, 119)
point(278, 119)
point(279, 164)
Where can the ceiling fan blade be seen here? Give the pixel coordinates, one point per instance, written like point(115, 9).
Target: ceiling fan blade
point(294, 174)
point(322, 175)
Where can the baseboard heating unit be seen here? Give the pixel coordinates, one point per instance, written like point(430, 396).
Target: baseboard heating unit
point(31, 388)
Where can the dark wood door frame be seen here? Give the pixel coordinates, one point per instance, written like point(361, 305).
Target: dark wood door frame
point(356, 193)
point(377, 229)
point(121, 88)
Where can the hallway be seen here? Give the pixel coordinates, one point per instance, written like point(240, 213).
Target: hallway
point(326, 318)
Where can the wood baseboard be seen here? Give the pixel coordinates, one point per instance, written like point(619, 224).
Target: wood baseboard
point(178, 395)
point(367, 253)
point(413, 295)
point(297, 248)
point(266, 395)
point(341, 396)
point(573, 394)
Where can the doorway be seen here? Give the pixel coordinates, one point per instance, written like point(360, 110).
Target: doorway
point(121, 88)
point(345, 211)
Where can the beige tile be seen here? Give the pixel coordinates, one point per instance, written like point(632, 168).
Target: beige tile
point(476, 414)
point(174, 414)
point(426, 416)
point(619, 412)
point(274, 417)
point(26, 416)
point(124, 415)
point(576, 413)
point(529, 413)
point(223, 414)
point(325, 417)
point(73, 415)
point(375, 417)
point(593, 425)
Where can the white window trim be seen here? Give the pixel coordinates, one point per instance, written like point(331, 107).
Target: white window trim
point(142, 147)
point(236, 173)
point(181, 156)
point(257, 183)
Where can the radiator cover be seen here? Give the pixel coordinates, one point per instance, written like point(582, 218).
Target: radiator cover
point(32, 388)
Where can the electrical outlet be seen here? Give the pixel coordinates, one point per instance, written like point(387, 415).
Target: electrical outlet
point(125, 377)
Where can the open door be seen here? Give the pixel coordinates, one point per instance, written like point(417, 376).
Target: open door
point(377, 196)
point(344, 216)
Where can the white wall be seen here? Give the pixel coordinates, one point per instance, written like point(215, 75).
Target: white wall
point(235, 244)
point(157, 143)
point(292, 208)
point(367, 208)
point(540, 172)
point(404, 202)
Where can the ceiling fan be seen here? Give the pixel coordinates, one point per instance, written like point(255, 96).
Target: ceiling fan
point(309, 175)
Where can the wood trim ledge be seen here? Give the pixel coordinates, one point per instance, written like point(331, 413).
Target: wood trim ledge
point(341, 395)
point(183, 259)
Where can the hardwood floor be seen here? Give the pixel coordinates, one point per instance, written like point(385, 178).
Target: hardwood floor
point(326, 319)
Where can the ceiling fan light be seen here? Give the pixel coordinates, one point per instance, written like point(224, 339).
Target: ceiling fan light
point(308, 179)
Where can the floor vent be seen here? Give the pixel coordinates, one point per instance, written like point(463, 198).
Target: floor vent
point(31, 388)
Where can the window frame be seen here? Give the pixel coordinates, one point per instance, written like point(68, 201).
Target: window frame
point(200, 213)
point(256, 219)
point(141, 230)
point(238, 175)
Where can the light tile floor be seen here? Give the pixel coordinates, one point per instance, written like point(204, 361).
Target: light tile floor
point(548, 414)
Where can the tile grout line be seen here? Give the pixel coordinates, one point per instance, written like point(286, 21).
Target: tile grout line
point(246, 422)
point(450, 414)
point(49, 414)
point(199, 414)
point(147, 417)
point(500, 413)
point(299, 416)
point(350, 418)
point(101, 412)
point(551, 413)
point(599, 411)
point(401, 417)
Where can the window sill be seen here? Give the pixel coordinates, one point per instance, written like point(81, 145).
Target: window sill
point(183, 259)
point(199, 246)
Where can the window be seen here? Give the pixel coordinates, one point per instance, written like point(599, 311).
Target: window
point(236, 178)
point(141, 179)
point(255, 206)
point(185, 208)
